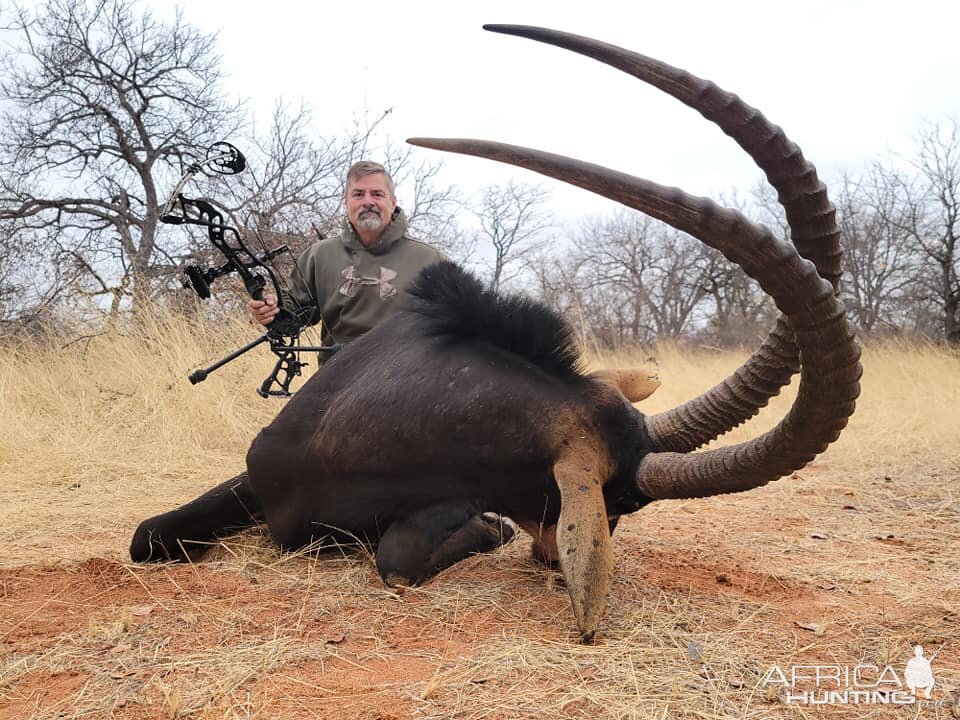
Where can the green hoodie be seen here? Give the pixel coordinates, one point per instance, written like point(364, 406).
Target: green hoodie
point(356, 287)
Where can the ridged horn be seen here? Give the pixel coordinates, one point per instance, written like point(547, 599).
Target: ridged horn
point(812, 315)
point(809, 212)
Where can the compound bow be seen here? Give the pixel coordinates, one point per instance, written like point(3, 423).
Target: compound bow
point(284, 332)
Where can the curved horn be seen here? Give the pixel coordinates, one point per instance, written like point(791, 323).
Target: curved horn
point(809, 213)
point(830, 369)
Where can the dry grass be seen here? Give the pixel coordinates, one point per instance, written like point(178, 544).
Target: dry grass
point(854, 559)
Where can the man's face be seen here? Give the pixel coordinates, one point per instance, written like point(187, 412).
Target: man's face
point(370, 203)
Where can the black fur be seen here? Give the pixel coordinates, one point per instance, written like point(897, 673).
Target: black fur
point(456, 304)
point(457, 405)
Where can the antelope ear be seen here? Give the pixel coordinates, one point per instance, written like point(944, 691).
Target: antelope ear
point(583, 534)
point(636, 384)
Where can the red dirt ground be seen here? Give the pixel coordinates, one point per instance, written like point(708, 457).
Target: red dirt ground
point(249, 633)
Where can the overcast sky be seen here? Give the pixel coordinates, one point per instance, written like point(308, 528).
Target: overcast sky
point(849, 81)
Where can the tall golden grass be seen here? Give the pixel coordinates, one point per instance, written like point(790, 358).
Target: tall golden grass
point(907, 408)
point(114, 411)
point(99, 427)
point(854, 560)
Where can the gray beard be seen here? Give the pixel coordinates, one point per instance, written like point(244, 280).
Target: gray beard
point(368, 220)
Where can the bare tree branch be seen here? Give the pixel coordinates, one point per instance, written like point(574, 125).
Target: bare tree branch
point(513, 217)
point(107, 104)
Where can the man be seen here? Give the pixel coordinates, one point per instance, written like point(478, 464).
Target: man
point(357, 279)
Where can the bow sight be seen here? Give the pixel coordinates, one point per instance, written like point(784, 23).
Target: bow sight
point(284, 332)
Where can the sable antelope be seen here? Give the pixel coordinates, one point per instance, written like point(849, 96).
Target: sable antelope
point(468, 403)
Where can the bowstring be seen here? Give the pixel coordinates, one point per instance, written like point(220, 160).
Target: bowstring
point(281, 287)
point(308, 330)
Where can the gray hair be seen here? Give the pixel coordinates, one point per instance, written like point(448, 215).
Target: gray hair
point(362, 168)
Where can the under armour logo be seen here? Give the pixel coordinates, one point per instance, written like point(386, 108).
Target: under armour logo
point(352, 282)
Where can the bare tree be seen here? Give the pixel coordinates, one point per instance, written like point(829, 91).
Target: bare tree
point(762, 205)
point(561, 280)
point(643, 280)
point(935, 223)
point(556, 279)
point(880, 261)
point(740, 312)
point(107, 105)
point(512, 217)
point(29, 282)
point(293, 183)
point(617, 256)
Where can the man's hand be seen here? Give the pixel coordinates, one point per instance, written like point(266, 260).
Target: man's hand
point(264, 311)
